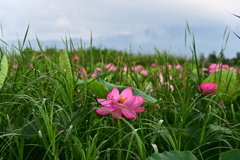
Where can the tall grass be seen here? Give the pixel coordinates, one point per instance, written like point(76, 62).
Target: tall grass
point(48, 112)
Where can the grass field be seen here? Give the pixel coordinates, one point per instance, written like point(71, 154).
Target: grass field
point(93, 103)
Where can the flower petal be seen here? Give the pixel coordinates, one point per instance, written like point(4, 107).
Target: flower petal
point(129, 101)
point(119, 112)
point(117, 105)
point(115, 93)
point(105, 110)
point(104, 101)
point(131, 114)
point(109, 96)
point(139, 110)
point(127, 92)
point(138, 102)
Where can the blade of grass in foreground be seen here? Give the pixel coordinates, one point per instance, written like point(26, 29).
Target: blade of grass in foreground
point(4, 70)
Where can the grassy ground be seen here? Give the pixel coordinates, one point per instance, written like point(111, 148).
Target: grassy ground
point(48, 105)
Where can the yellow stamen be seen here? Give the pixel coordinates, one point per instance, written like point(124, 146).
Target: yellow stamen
point(121, 100)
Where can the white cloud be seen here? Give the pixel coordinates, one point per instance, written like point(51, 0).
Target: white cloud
point(62, 22)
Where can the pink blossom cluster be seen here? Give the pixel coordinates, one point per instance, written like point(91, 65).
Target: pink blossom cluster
point(161, 81)
point(160, 75)
point(168, 66)
point(110, 68)
point(137, 68)
point(217, 67)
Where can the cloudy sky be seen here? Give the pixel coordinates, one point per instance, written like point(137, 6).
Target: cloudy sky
point(119, 24)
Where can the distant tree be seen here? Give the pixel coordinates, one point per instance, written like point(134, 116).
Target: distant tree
point(212, 58)
point(202, 58)
point(238, 55)
point(221, 56)
point(236, 60)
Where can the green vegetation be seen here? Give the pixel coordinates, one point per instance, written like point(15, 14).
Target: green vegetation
point(48, 103)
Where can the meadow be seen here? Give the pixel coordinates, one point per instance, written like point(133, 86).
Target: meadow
point(93, 103)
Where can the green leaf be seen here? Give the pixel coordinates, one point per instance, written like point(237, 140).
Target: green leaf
point(230, 155)
point(193, 131)
point(101, 88)
point(79, 81)
point(66, 66)
point(98, 88)
point(214, 127)
point(173, 155)
point(136, 91)
point(226, 81)
point(4, 70)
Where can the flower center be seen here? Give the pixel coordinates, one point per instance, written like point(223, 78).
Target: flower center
point(121, 100)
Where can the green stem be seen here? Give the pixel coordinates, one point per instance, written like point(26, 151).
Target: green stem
point(204, 125)
point(120, 139)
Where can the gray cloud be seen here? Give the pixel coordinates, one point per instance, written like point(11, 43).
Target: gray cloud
point(147, 23)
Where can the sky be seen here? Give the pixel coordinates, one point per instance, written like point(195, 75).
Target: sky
point(136, 25)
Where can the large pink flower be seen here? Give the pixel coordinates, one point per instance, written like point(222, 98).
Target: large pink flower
point(208, 88)
point(125, 104)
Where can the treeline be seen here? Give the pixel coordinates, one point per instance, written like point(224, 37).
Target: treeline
point(215, 58)
point(98, 55)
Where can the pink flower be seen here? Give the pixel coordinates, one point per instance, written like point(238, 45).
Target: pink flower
point(95, 72)
point(30, 65)
point(208, 88)
point(150, 90)
point(217, 67)
point(83, 72)
point(233, 69)
point(212, 66)
point(94, 75)
point(178, 67)
point(169, 66)
point(204, 69)
point(125, 68)
point(15, 66)
point(76, 58)
point(137, 68)
point(153, 65)
point(111, 67)
point(170, 87)
point(224, 66)
point(160, 77)
point(97, 69)
point(144, 72)
point(124, 104)
point(108, 65)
